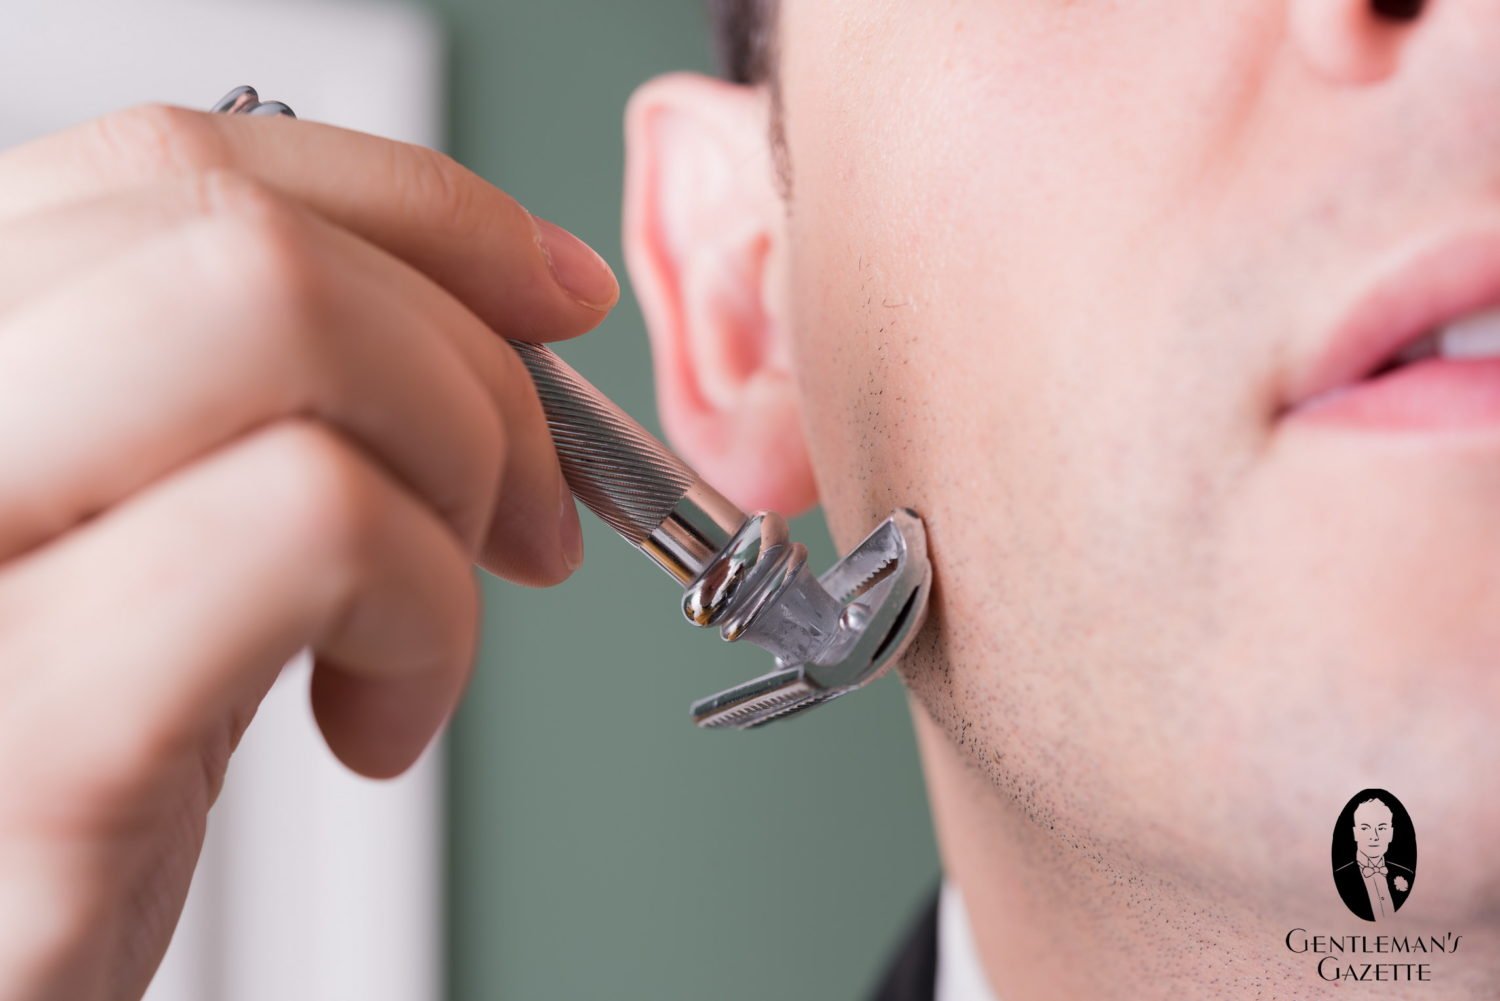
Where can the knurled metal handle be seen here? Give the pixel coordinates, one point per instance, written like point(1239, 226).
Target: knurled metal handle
point(625, 475)
point(613, 465)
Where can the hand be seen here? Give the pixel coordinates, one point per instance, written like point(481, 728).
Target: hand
point(254, 398)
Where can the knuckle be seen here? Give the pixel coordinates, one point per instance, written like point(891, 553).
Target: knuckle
point(151, 139)
point(494, 447)
point(320, 494)
point(491, 446)
point(262, 252)
point(456, 622)
point(224, 192)
point(482, 478)
point(107, 774)
point(126, 757)
point(467, 612)
point(438, 185)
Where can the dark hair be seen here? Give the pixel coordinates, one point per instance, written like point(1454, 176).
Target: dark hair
point(744, 31)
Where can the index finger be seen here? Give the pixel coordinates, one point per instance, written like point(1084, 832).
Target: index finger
point(525, 277)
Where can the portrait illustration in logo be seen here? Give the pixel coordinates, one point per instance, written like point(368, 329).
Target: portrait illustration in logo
point(1374, 855)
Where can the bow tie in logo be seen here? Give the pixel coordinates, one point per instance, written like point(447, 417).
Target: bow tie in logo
point(1370, 870)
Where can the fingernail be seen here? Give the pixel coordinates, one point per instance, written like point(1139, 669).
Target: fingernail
point(571, 530)
point(581, 272)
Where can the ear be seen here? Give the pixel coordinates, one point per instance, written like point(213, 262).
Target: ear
point(705, 242)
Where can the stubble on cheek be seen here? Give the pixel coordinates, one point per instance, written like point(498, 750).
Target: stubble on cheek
point(1065, 612)
point(1066, 654)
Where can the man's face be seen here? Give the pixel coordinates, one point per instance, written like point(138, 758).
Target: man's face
point(1372, 827)
point(1056, 269)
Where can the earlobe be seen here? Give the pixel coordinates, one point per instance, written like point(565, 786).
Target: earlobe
point(705, 244)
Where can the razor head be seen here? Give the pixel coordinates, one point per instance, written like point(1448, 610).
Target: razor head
point(881, 589)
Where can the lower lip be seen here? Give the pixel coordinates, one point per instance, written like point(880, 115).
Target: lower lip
point(1433, 394)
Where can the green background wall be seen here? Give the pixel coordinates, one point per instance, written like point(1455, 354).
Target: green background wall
point(601, 846)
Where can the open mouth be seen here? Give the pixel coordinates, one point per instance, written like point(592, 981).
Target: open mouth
point(1473, 338)
point(1447, 378)
point(1421, 352)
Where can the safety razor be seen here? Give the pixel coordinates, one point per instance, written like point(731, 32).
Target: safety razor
point(741, 573)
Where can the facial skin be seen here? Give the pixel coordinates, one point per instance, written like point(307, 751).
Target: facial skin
point(1046, 273)
point(1372, 828)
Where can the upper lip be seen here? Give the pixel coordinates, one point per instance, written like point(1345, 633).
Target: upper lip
point(1427, 289)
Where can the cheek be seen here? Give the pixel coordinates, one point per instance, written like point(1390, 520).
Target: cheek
point(980, 335)
point(998, 319)
point(973, 308)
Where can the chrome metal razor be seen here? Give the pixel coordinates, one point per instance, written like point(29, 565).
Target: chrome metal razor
point(741, 574)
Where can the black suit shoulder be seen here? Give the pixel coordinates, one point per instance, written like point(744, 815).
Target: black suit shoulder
point(1351, 886)
point(911, 971)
